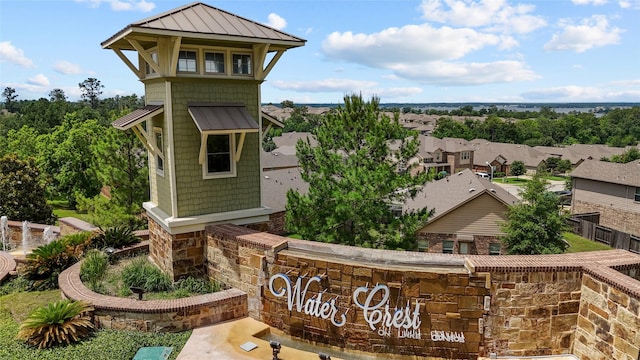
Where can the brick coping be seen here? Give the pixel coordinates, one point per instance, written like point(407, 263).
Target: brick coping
point(73, 288)
point(7, 264)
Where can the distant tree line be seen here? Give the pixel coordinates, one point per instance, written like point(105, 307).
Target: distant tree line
point(75, 152)
point(618, 127)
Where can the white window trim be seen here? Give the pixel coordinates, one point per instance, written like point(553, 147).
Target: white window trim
point(465, 155)
point(232, 158)
point(159, 151)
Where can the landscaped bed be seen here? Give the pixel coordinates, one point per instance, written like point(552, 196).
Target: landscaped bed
point(102, 344)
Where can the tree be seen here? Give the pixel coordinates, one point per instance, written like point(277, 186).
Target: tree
point(120, 163)
point(627, 156)
point(22, 196)
point(91, 90)
point(57, 95)
point(535, 225)
point(355, 179)
point(10, 96)
point(517, 168)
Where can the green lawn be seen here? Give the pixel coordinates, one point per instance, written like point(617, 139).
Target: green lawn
point(103, 345)
point(580, 244)
point(512, 180)
point(62, 209)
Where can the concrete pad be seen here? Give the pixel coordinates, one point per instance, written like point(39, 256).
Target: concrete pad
point(223, 341)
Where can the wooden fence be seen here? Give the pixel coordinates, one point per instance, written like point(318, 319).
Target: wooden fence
point(584, 226)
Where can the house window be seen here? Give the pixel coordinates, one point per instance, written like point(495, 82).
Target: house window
point(464, 155)
point(494, 249)
point(148, 69)
point(464, 248)
point(187, 61)
point(423, 245)
point(219, 155)
point(447, 247)
point(242, 64)
point(637, 195)
point(157, 132)
point(214, 62)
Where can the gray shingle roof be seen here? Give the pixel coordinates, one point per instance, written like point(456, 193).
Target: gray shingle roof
point(623, 174)
point(275, 185)
point(198, 20)
point(447, 194)
point(487, 151)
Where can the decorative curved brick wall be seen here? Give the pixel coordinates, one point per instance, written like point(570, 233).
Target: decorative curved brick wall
point(7, 264)
point(507, 305)
point(154, 315)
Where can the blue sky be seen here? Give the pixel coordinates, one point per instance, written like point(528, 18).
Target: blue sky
point(399, 50)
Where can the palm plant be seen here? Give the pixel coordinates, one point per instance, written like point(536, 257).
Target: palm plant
point(62, 322)
point(116, 237)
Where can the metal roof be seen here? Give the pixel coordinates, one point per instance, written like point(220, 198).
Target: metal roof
point(136, 116)
point(222, 117)
point(201, 21)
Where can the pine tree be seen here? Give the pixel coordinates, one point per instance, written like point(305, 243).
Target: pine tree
point(354, 179)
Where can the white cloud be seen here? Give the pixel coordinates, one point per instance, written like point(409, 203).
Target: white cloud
point(448, 73)
point(497, 15)
point(629, 4)
point(39, 80)
point(589, 33)
point(626, 83)
point(581, 94)
point(326, 85)
point(10, 53)
point(405, 45)
point(123, 5)
point(276, 21)
point(394, 93)
point(67, 68)
point(589, 2)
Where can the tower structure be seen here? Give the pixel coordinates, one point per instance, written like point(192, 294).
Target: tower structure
point(202, 68)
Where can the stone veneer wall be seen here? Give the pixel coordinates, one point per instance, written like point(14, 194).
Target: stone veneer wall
point(178, 255)
point(533, 313)
point(504, 305)
point(615, 218)
point(479, 245)
point(608, 325)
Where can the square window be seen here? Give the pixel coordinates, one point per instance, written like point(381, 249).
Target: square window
point(242, 64)
point(447, 247)
point(219, 153)
point(464, 155)
point(494, 249)
point(214, 62)
point(423, 245)
point(187, 61)
point(464, 248)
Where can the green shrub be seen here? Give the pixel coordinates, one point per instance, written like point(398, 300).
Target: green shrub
point(94, 268)
point(116, 237)
point(140, 273)
point(46, 262)
point(192, 285)
point(62, 322)
point(15, 284)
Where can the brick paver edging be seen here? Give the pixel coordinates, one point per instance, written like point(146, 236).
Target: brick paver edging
point(7, 264)
point(73, 288)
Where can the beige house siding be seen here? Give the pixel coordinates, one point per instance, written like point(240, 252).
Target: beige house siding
point(607, 194)
point(481, 216)
point(197, 196)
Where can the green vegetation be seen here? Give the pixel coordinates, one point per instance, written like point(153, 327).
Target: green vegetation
point(143, 274)
point(102, 345)
point(94, 269)
point(58, 323)
point(579, 244)
point(535, 225)
point(355, 178)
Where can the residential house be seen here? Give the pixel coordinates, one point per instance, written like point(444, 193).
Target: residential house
point(467, 218)
point(500, 156)
point(611, 189)
point(577, 153)
point(447, 154)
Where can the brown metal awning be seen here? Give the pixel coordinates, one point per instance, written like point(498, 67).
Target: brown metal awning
point(222, 118)
point(137, 116)
point(133, 120)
